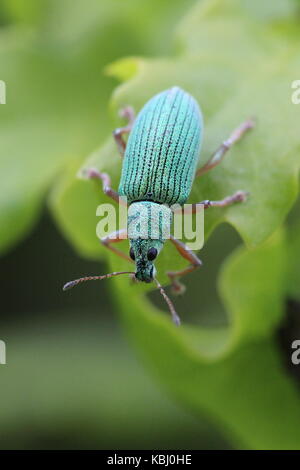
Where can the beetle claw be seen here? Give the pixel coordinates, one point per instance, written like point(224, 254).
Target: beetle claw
point(178, 288)
point(242, 196)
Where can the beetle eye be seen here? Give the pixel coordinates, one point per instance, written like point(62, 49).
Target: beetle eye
point(152, 253)
point(131, 254)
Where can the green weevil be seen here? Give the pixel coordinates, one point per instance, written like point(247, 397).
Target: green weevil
point(160, 162)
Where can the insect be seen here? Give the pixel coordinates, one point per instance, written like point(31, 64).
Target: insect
point(160, 162)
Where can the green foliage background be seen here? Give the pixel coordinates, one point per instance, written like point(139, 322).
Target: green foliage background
point(69, 66)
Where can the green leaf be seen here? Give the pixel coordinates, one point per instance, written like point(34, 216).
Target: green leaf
point(234, 373)
point(75, 202)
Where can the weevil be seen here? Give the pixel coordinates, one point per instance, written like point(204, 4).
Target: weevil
point(160, 160)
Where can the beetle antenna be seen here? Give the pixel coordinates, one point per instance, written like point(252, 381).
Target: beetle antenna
point(74, 283)
point(173, 312)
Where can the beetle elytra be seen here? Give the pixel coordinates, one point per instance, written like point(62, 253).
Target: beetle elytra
point(159, 166)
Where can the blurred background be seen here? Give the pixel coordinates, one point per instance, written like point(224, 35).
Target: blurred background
point(72, 380)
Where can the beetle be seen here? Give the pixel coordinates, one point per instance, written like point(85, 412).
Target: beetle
point(160, 162)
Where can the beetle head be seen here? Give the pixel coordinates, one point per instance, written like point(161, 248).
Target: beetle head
point(144, 253)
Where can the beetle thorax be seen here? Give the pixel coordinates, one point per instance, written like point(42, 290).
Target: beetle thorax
point(149, 220)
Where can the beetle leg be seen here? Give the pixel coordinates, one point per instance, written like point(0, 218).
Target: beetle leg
point(118, 133)
point(116, 237)
point(185, 252)
point(93, 173)
point(239, 196)
point(218, 155)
